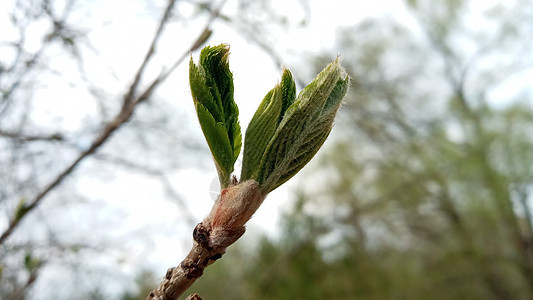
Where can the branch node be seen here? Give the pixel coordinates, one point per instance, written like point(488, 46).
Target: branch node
point(168, 275)
point(201, 235)
point(191, 269)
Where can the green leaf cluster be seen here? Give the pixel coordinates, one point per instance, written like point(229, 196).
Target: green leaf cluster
point(212, 91)
point(285, 133)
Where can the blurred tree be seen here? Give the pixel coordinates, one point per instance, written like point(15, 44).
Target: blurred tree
point(427, 192)
point(437, 165)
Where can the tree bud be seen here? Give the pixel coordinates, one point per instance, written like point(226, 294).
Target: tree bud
point(236, 205)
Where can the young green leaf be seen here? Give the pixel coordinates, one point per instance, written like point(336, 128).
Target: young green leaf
point(259, 131)
point(218, 142)
point(264, 124)
point(288, 92)
point(212, 90)
point(303, 128)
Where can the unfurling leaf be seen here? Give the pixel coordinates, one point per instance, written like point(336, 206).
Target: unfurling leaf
point(300, 127)
point(264, 124)
point(212, 90)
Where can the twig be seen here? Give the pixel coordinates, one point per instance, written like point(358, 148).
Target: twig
point(128, 98)
point(203, 253)
point(223, 227)
point(31, 138)
point(128, 107)
point(177, 280)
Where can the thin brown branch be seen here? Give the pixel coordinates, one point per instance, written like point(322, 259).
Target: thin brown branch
point(21, 292)
point(149, 54)
point(177, 280)
point(30, 138)
point(129, 105)
point(200, 40)
point(120, 119)
point(223, 227)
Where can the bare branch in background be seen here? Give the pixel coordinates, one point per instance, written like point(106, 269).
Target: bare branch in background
point(31, 138)
point(128, 107)
point(130, 102)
